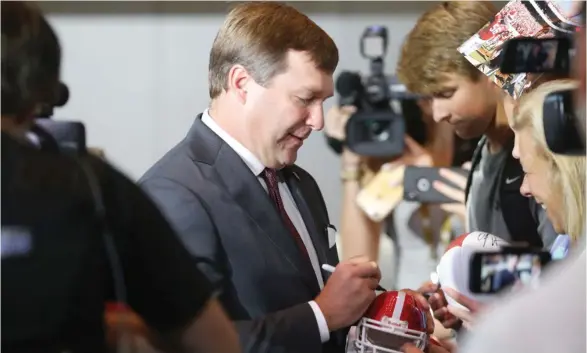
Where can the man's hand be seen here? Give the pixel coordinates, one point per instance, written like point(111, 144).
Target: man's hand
point(468, 317)
point(439, 304)
point(348, 292)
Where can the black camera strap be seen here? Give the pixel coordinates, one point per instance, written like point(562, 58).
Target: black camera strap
point(109, 245)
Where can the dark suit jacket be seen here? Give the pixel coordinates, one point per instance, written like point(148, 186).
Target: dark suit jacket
point(223, 214)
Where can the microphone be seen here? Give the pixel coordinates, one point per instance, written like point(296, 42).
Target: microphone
point(349, 86)
point(61, 96)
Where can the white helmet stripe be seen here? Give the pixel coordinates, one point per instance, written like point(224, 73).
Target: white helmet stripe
point(399, 306)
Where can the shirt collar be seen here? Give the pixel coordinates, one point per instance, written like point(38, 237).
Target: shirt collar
point(247, 156)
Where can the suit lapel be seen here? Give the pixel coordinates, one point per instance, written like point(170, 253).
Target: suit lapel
point(232, 174)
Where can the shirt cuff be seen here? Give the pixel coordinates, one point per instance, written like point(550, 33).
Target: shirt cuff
point(321, 320)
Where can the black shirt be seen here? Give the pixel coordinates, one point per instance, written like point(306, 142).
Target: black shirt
point(56, 276)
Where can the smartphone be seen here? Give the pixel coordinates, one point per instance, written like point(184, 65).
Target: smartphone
point(70, 135)
point(536, 55)
point(382, 194)
point(418, 184)
point(491, 272)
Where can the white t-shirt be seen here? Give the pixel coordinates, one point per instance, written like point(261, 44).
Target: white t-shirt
point(549, 318)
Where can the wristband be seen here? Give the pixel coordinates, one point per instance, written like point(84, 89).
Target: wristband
point(350, 174)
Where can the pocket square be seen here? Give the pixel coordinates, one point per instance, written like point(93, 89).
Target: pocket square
point(331, 230)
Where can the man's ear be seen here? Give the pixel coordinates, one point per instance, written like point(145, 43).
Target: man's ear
point(238, 81)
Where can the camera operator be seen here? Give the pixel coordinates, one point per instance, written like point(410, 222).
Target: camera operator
point(356, 171)
point(64, 252)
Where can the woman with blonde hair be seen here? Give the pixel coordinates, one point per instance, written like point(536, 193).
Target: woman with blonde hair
point(557, 182)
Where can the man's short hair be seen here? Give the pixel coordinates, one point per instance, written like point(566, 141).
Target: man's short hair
point(258, 36)
point(430, 49)
point(31, 59)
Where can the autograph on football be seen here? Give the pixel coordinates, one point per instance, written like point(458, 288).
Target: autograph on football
point(486, 238)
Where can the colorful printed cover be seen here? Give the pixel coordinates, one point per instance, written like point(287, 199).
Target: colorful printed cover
point(540, 19)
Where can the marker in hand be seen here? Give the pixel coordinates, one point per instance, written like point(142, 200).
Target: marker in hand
point(330, 268)
point(434, 280)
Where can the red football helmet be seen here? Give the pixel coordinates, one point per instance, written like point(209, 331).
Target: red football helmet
point(393, 319)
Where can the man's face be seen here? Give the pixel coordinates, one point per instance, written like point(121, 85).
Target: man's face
point(469, 106)
point(280, 116)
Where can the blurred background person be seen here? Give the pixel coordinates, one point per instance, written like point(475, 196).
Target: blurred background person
point(70, 242)
point(419, 225)
point(505, 276)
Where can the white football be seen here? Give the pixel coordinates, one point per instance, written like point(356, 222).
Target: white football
point(453, 267)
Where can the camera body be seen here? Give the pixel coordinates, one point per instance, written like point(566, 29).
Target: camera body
point(378, 127)
point(564, 130)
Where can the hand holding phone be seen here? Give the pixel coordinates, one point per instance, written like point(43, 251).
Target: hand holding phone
point(456, 192)
point(435, 185)
point(492, 272)
point(466, 316)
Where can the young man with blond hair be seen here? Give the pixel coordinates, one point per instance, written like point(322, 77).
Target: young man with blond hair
point(430, 64)
point(237, 199)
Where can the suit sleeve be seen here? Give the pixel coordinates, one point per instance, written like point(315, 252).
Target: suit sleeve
point(292, 329)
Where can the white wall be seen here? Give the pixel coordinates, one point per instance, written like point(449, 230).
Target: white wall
point(137, 72)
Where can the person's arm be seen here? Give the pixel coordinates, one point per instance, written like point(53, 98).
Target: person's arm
point(360, 235)
point(208, 331)
point(442, 146)
point(295, 327)
point(161, 283)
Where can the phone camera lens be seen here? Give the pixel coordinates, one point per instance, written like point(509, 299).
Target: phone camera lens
point(423, 185)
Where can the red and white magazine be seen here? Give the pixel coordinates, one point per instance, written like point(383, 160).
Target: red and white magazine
point(540, 19)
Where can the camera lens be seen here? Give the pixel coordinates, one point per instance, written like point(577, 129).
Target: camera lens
point(378, 130)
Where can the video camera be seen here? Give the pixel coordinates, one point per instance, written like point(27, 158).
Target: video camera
point(385, 111)
point(564, 131)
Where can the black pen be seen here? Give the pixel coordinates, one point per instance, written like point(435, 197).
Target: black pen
point(330, 268)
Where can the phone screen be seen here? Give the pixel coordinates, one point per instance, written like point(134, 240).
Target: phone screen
point(533, 55)
point(536, 56)
point(493, 272)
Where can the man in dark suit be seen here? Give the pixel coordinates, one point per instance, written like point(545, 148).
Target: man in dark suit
point(236, 198)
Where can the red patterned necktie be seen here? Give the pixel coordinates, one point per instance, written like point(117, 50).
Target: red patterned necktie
point(270, 177)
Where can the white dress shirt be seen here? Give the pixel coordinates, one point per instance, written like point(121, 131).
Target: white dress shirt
point(289, 204)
